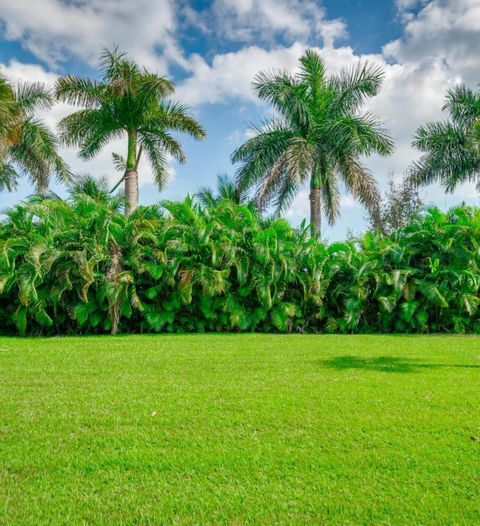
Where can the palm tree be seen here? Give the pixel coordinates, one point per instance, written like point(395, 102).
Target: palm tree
point(27, 146)
point(451, 148)
point(131, 101)
point(319, 136)
point(226, 189)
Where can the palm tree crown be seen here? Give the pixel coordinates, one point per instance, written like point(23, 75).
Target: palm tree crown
point(27, 146)
point(451, 149)
point(318, 136)
point(127, 101)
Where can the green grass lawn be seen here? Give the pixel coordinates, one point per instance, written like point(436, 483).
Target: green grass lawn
point(240, 429)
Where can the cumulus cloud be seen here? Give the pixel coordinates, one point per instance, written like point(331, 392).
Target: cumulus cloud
point(406, 5)
point(229, 76)
point(442, 30)
point(55, 30)
point(266, 20)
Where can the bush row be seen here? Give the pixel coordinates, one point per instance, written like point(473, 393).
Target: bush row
point(80, 266)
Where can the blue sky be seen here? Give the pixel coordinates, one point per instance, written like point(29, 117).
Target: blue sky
point(212, 49)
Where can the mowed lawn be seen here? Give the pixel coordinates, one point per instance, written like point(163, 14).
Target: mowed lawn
point(240, 429)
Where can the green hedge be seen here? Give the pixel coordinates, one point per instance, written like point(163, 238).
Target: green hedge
point(80, 266)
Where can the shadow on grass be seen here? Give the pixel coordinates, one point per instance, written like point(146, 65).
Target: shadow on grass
point(387, 364)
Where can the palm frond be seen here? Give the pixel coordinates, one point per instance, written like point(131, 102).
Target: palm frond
point(360, 182)
point(363, 134)
point(284, 93)
point(119, 162)
point(8, 177)
point(330, 196)
point(463, 105)
point(261, 152)
point(449, 156)
point(152, 88)
point(175, 116)
point(353, 86)
point(111, 63)
point(312, 70)
point(37, 155)
point(285, 194)
point(226, 189)
point(33, 96)
point(90, 130)
point(157, 159)
point(206, 196)
point(80, 91)
point(165, 142)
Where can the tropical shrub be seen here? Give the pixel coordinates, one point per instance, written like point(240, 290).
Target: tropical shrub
point(81, 266)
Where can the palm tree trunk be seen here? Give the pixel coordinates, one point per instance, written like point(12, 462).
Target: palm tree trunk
point(315, 211)
point(131, 191)
point(112, 280)
point(131, 175)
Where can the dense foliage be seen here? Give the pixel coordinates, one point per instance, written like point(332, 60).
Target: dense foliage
point(81, 266)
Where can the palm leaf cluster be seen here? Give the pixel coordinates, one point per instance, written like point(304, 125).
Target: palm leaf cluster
point(451, 148)
point(27, 145)
point(80, 266)
point(226, 189)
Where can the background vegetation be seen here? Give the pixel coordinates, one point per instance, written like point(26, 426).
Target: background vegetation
point(96, 263)
point(81, 266)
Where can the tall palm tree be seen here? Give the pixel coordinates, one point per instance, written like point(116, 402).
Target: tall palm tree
point(27, 146)
point(319, 136)
point(126, 101)
point(451, 149)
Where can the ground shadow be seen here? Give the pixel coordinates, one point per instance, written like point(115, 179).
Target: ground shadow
point(387, 364)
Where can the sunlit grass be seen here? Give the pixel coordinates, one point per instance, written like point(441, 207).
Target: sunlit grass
point(240, 429)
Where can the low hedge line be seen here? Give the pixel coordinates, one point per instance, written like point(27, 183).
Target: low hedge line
point(80, 266)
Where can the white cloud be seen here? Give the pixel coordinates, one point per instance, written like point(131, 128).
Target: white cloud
point(230, 75)
point(445, 30)
point(55, 30)
point(405, 6)
point(300, 207)
point(264, 20)
point(18, 72)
